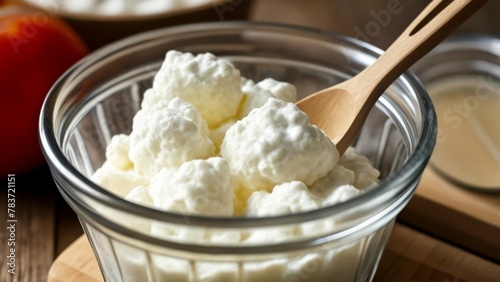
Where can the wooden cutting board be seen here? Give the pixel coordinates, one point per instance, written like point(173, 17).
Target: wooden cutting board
point(469, 219)
point(409, 256)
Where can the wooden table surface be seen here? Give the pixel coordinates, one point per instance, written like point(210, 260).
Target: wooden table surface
point(45, 225)
point(409, 256)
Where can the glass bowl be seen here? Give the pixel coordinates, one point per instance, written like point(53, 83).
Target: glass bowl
point(99, 96)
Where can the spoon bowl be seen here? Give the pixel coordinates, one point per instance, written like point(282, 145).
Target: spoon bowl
point(341, 109)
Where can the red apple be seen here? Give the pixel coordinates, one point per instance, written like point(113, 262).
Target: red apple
point(35, 49)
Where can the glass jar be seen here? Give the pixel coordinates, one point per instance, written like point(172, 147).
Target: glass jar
point(98, 98)
point(462, 76)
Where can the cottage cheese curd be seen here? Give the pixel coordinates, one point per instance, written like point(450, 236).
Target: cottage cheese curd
point(275, 144)
point(117, 174)
point(209, 142)
point(211, 85)
point(257, 94)
point(196, 187)
point(166, 138)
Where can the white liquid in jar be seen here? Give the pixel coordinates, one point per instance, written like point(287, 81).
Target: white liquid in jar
point(468, 145)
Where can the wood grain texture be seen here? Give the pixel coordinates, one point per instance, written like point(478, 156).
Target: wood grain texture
point(409, 256)
point(414, 256)
point(466, 218)
point(76, 263)
point(34, 229)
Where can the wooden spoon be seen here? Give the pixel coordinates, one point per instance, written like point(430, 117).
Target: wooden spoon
point(341, 110)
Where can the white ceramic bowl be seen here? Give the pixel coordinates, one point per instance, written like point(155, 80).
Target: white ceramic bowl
point(99, 29)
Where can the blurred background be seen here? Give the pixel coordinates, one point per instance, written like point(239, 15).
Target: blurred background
point(376, 21)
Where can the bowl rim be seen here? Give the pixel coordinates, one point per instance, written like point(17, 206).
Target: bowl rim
point(410, 170)
point(125, 17)
point(467, 41)
point(475, 48)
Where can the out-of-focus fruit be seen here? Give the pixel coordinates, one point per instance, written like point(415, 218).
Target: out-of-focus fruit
point(35, 49)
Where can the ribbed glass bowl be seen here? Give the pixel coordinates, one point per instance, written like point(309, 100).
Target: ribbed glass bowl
point(99, 96)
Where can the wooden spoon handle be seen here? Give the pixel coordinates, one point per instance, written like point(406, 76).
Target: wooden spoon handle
point(436, 22)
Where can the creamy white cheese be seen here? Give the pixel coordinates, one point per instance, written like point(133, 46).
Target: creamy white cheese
point(209, 142)
point(210, 84)
point(117, 174)
point(275, 144)
point(218, 134)
point(182, 108)
point(196, 187)
point(289, 197)
point(365, 174)
point(165, 138)
point(256, 95)
point(269, 158)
